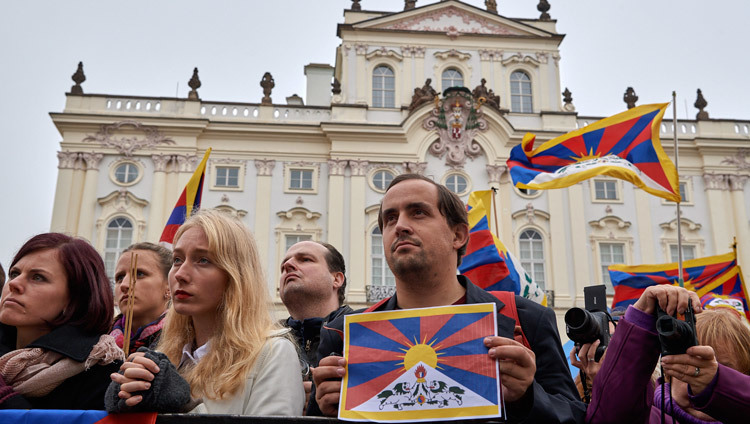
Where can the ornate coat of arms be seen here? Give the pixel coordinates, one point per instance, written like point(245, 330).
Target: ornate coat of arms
point(457, 118)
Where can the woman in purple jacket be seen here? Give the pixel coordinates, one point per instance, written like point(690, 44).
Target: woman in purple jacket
point(710, 381)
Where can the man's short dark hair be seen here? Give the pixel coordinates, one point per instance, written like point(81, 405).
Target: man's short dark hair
point(2, 277)
point(336, 263)
point(449, 205)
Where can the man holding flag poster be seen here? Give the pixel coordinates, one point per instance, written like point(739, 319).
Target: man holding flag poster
point(425, 233)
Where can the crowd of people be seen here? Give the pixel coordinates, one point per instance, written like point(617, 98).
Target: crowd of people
point(204, 340)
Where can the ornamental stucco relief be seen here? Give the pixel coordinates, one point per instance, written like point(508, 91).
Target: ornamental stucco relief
point(453, 19)
point(126, 145)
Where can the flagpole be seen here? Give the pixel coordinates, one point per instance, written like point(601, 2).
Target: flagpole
point(494, 212)
point(677, 167)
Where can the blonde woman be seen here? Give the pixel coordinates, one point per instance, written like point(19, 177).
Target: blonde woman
point(219, 334)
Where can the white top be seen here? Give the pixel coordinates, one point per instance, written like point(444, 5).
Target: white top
point(273, 386)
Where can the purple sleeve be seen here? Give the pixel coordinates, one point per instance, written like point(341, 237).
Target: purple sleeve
point(641, 319)
point(729, 401)
point(622, 390)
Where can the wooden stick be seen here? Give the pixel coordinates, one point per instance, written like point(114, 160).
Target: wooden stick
point(131, 302)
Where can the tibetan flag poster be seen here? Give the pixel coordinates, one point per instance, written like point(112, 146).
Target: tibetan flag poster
point(624, 146)
point(719, 275)
point(420, 365)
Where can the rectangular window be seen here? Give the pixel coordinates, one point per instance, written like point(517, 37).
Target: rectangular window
point(688, 252)
point(610, 254)
point(605, 190)
point(292, 239)
point(227, 176)
point(301, 179)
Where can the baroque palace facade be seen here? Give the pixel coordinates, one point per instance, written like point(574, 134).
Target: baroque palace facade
point(316, 168)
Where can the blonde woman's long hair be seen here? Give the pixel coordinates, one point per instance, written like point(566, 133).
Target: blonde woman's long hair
point(244, 315)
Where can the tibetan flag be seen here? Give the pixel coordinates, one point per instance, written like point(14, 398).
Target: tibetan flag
point(426, 364)
point(719, 275)
point(487, 262)
point(71, 416)
point(189, 201)
point(624, 146)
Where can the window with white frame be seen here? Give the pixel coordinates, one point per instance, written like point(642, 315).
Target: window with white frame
point(532, 255)
point(606, 190)
point(301, 179)
point(126, 173)
point(456, 183)
point(383, 87)
point(610, 254)
point(381, 179)
point(292, 239)
point(688, 252)
point(381, 273)
point(119, 236)
point(227, 176)
point(452, 78)
point(520, 92)
point(685, 194)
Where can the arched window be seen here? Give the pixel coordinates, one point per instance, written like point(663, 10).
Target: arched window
point(119, 236)
point(520, 92)
point(381, 273)
point(383, 87)
point(452, 78)
point(532, 255)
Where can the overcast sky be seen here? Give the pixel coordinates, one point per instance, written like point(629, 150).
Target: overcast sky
point(149, 48)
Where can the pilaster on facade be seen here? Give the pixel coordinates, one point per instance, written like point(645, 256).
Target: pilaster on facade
point(337, 167)
point(737, 182)
point(67, 160)
point(645, 232)
point(263, 190)
point(495, 172)
point(88, 197)
point(357, 231)
point(62, 204)
point(160, 162)
point(415, 167)
point(264, 167)
point(578, 242)
point(359, 167)
point(722, 217)
point(92, 160)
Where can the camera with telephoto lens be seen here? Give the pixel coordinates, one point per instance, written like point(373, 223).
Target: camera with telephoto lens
point(588, 325)
point(584, 326)
point(676, 336)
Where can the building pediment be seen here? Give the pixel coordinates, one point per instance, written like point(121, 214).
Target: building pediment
point(452, 18)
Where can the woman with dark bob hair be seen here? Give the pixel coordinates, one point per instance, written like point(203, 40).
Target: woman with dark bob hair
point(55, 313)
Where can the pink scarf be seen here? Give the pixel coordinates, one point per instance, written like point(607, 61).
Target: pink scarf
point(35, 372)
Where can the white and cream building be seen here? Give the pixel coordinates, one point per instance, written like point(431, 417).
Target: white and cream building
point(316, 168)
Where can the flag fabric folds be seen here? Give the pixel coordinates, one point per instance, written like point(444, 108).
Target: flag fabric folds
point(624, 146)
point(719, 275)
point(189, 201)
point(487, 263)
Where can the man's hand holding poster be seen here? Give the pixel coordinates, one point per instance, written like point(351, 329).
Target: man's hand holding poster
point(420, 365)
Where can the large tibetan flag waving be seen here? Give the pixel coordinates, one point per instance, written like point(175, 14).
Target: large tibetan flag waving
point(719, 275)
point(487, 262)
point(624, 146)
point(189, 201)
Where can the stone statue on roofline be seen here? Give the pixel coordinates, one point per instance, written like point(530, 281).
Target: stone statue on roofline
point(268, 84)
point(423, 95)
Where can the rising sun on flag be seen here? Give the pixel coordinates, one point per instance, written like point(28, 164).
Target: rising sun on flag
point(420, 364)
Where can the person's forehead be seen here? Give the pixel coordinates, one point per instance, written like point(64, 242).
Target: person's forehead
point(306, 248)
point(411, 191)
